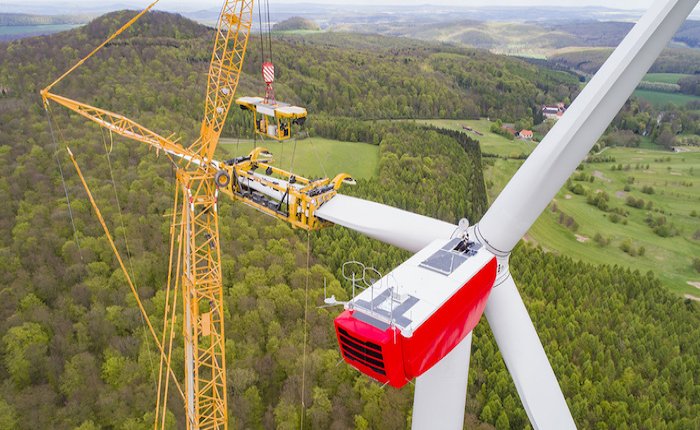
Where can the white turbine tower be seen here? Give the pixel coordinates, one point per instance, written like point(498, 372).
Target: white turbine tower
point(440, 393)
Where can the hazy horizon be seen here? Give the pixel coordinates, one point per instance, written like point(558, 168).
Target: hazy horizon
point(628, 10)
point(206, 4)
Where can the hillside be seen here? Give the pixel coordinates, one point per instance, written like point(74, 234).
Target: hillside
point(73, 351)
point(296, 23)
point(685, 61)
point(21, 19)
point(519, 37)
point(689, 34)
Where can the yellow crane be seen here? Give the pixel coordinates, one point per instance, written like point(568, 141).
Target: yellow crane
point(200, 181)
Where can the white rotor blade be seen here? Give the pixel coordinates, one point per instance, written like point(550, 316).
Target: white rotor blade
point(387, 224)
point(526, 360)
point(557, 156)
point(441, 392)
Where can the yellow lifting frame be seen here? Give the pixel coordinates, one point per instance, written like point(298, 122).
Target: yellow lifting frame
point(302, 200)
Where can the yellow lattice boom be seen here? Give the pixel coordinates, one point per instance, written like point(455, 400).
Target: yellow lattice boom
point(200, 180)
point(225, 68)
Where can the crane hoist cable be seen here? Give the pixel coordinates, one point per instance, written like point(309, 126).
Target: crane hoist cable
point(294, 153)
point(265, 34)
point(269, 29)
point(262, 33)
point(306, 323)
point(320, 162)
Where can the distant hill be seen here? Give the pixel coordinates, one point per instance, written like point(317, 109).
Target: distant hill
point(296, 23)
point(689, 34)
point(522, 38)
point(72, 348)
point(19, 26)
point(676, 60)
point(21, 19)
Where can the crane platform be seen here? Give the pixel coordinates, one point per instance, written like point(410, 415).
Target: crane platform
point(273, 119)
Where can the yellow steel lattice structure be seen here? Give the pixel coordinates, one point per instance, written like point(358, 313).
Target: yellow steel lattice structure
point(122, 126)
point(225, 68)
point(200, 179)
point(205, 361)
point(205, 358)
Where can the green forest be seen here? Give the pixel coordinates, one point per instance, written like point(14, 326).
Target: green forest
point(74, 353)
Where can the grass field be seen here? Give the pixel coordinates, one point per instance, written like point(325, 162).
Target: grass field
point(490, 142)
point(665, 78)
point(677, 192)
point(314, 157)
point(659, 99)
point(676, 185)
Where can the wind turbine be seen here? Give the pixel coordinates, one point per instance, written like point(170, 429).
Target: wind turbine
point(441, 381)
point(440, 392)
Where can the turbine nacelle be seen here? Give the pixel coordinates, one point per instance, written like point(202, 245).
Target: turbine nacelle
point(404, 323)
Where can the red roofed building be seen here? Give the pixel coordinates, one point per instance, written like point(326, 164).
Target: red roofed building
point(554, 112)
point(526, 134)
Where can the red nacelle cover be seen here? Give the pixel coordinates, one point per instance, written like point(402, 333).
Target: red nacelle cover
point(389, 357)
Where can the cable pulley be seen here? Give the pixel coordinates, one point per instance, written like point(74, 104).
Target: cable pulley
point(222, 179)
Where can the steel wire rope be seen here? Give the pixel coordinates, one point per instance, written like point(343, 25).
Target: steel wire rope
point(122, 266)
point(306, 314)
point(294, 153)
point(269, 30)
point(126, 240)
point(262, 35)
point(63, 179)
point(315, 152)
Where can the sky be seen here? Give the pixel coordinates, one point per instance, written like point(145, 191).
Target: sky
point(203, 4)
point(197, 5)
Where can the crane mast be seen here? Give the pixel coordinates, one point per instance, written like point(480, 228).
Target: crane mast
point(200, 181)
point(205, 360)
point(205, 346)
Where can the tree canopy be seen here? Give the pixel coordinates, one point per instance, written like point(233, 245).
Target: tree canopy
point(73, 349)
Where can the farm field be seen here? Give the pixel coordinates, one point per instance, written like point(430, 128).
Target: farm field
point(659, 98)
point(665, 78)
point(314, 157)
point(675, 178)
point(491, 143)
point(676, 194)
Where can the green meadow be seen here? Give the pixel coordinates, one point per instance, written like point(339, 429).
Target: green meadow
point(314, 156)
point(660, 98)
point(674, 178)
point(491, 143)
point(665, 78)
